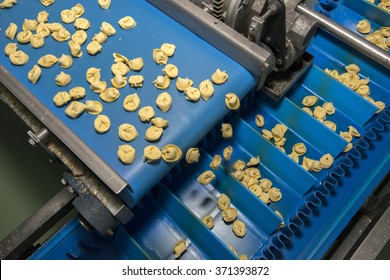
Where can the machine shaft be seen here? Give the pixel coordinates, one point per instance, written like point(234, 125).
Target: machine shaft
point(346, 35)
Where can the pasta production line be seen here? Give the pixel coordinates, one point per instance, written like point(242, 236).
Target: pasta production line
point(203, 129)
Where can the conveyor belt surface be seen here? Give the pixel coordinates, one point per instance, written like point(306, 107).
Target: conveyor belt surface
point(188, 121)
point(315, 206)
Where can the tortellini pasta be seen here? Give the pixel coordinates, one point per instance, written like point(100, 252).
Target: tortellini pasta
point(171, 153)
point(152, 153)
point(132, 102)
point(164, 101)
point(127, 22)
point(93, 107)
point(18, 58)
point(34, 74)
point(102, 124)
point(63, 79)
point(110, 95)
point(11, 31)
point(108, 29)
point(75, 109)
point(126, 154)
point(127, 132)
point(219, 77)
point(61, 99)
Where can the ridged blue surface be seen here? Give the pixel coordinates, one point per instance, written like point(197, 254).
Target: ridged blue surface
point(316, 206)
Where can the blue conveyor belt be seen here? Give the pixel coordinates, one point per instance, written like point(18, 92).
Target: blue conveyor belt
point(195, 59)
point(316, 206)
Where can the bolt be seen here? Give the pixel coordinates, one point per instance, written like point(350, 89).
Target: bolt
point(267, 39)
point(31, 141)
point(110, 232)
point(279, 61)
point(252, 27)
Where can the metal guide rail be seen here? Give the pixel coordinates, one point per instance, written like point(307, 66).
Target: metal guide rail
point(187, 122)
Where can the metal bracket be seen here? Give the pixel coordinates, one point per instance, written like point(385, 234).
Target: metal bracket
point(102, 216)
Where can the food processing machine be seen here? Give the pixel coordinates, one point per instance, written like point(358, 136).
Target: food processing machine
point(275, 53)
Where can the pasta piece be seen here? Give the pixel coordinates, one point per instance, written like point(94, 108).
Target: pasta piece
point(307, 110)
point(127, 132)
point(227, 152)
point(61, 98)
point(192, 155)
point(347, 136)
point(329, 108)
point(206, 177)
point(319, 113)
point(164, 101)
point(18, 58)
point(127, 22)
point(363, 26)
point(192, 94)
point(275, 194)
point(47, 3)
point(131, 102)
point(54, 26)
point(259, 120)
point(65, 61)
point(98, 86)
point(208, 221)
point(253, 161)
point(93, 75)
point(82, 23)
point(255, 189)
point(77, 93)
point(102, 124)
point(146, 113)
point(24, 37)
point(100, 37)
point(267, 134)
point(264, 197)
point(206, 89)
point(265, 184)
point(63, 79)
point(327, 161)
point(93, 107)
point(352, 68)
point(75, 49)
point(68, 16)
point(299, 149)
point(309, 100)
point(227, 130)
point(78, 10)
point(348, 147)
point(153, 133)
point(219, 77)
point(10, 48)
point(108, 29)
point(120, 58)
point(223, 202)
point(353, 131)
point(229, 215)
point(179, 248)
point(171, 153)
point(61, 35)
point(80, 36)
point(162, 82)
point(104, 4)
point(380, 106)
point(330, 125)
point(29, 25)
point(216, 162)
point(126, 154)
point(34, 74)
point(43, 30)
point(6, 4)
point(120, 69)
point(136, 64)
point(159, 122)
point(119, 81)
point(110, 95)
point(169, 49)
point(363, 90)
point(93, 48)
point(43, 17)
point(232, 101)
point(233, 250)
point(183, 83)
point(160, 57)
point(37, 41)
point(171, 71)
point(152, 153)
point(136, 81)
point(11, 31)
point(294, 156)
point(75, 109)
point(239, 228)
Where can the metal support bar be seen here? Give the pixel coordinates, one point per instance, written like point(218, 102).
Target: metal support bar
point(254, 58)
point(21, 239)
point(346, 35)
